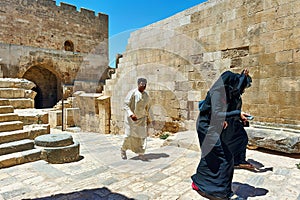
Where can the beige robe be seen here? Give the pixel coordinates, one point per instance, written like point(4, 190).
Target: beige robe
point(136, 131)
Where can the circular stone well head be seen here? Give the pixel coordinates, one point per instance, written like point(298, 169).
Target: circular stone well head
point(58, 148)
point(54, 140)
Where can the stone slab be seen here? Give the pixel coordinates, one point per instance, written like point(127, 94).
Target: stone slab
point(54, 140)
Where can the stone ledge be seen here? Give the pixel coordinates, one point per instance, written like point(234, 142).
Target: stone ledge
point(186, 139)
point(274, 138)
point(271, 138)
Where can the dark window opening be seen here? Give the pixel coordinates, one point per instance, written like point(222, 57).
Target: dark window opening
point(69, 46)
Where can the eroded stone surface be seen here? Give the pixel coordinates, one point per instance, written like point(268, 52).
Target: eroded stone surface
point(283, 140)
point(54, 140)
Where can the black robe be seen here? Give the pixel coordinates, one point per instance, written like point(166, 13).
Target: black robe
point(235, 137)
point(215, 171)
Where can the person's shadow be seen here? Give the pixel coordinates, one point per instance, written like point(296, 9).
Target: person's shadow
point(259, 167)
point(245, 190)
point(87, 194)
point(151, 156)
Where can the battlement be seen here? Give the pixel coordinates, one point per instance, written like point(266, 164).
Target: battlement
point(64, 7)
point(51, 4)
point(83, 11)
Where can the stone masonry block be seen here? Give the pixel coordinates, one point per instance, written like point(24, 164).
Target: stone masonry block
point(55, 118)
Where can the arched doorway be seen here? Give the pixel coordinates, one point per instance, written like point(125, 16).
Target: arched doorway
point(47, 86)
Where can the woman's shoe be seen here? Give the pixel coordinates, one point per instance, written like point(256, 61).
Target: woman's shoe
point(194, 186)
point(247, 166)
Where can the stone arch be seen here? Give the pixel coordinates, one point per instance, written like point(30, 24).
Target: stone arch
point(48, 86)
point(68, 45)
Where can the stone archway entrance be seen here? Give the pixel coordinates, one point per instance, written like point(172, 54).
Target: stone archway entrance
point(47, 86)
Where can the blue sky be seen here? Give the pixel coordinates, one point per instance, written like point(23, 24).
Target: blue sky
point(127, 16)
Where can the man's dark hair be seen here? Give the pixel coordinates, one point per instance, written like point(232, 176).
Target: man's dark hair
point(142, 80)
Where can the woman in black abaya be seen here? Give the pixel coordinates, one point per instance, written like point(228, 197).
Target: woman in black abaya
point(213, 178)
point(235, 135)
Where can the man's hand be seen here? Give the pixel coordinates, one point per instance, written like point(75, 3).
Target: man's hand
point(133, 117)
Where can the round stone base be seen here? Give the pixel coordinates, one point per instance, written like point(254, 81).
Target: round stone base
point(58, 148)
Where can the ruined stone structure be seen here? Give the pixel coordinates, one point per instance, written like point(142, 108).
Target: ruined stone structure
point(183, 55)
point(62, 49)
point(53, 46)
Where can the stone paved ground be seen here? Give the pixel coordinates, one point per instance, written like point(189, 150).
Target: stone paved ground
point(102, 174)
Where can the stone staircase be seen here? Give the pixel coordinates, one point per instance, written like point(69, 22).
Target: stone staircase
point(18, 92)
point(17, 140)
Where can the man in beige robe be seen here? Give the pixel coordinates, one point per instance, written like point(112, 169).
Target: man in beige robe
point(136, 108)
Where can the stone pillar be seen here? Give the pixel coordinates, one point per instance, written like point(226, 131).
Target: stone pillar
point(104, 114)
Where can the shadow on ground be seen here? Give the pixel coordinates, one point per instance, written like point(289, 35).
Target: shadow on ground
point(151, 156)
point(259, 167)
point(88, 194)
point(277, 153)
point(245, 190)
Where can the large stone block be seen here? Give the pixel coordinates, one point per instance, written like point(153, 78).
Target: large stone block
point(276, 139)
point(55, 118)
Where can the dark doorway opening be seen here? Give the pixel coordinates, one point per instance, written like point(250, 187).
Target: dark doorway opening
point(38, 97)
point(47, 87)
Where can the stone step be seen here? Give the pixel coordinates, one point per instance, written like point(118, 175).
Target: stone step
point(4, 102)
point(16, 83)
point(11, 126)
point(37, 131)
point(26, 133)
point(18, 158)
point(22, 103)
point(12, 93)
point(6, 109)
point(33, 116)
point(12, 136)
point(8, 117)
point(16, 146)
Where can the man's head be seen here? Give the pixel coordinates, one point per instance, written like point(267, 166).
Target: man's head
point(142, 83)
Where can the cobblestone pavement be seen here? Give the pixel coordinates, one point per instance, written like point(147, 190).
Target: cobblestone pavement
point(102, 174)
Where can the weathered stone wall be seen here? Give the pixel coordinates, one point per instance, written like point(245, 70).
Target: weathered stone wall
point(40, 23)
point(183, 55)
point(49, 69)
point(53, 46)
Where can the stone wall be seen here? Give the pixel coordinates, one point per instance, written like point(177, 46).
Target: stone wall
point(183, 55)
point(53, 46)
point(40, 23)
point(51, 69)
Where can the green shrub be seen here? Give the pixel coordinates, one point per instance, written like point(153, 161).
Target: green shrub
point(164, 136)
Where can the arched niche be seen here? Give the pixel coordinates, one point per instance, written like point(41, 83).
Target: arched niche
point(48, 86)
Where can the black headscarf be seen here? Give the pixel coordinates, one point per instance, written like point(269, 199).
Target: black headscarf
point(244, 82)
point(228, 83)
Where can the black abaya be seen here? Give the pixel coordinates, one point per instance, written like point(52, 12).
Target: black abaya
point(215, 171)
